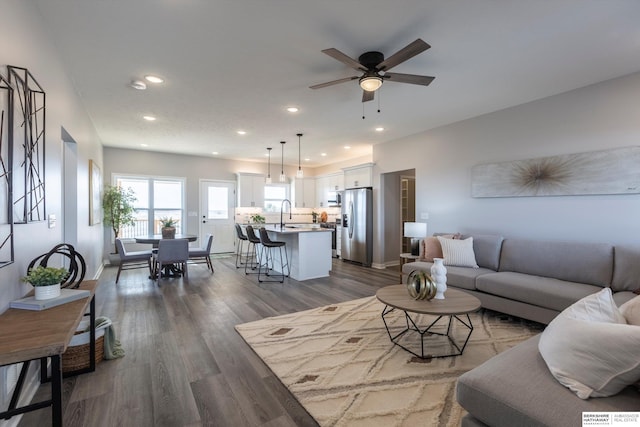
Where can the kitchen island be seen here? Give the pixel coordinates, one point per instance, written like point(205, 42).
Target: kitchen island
point(308, 248)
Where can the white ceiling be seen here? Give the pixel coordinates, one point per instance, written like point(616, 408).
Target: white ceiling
point(237, 64)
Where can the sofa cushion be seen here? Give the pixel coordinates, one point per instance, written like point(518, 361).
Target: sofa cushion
point(431, 249)
point(515, 388)
point(626, 269)
point(487, 249)
point(590, 263)
point(458, 252)
point(541, 291)
point(631, 311)
point(459, 277)
point(591, 349)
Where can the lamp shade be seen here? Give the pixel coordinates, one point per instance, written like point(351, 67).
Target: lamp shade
point(415, 229)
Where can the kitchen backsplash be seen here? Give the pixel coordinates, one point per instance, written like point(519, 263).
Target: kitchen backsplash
point(298, 215)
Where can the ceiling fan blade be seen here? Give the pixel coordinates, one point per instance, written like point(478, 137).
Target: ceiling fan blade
point(334, 82)
point(367, 96)
point(408, 78)
point(350, 62)
point(408, 52)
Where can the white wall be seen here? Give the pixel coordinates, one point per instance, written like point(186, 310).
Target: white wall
point(601, 116)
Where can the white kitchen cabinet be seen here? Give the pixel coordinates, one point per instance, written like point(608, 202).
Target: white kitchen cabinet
point(304, 192)
point(358, 176)
point(326, 188)
point(322, 183)
point(250, 190)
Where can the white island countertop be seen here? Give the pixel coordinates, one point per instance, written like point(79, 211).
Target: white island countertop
point(308, 247)
point(296, 228)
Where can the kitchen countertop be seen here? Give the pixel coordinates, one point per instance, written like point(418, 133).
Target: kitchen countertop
point(296, 228)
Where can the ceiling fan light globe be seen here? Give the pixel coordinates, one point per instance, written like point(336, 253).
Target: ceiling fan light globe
point(371, 83)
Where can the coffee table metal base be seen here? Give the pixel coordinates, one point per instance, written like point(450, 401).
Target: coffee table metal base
point(412, 326)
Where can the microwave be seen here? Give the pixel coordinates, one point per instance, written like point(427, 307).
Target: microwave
point(335, 198)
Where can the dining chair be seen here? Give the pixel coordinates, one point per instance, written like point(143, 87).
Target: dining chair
point(172, 254)
point(132, 260)
point(202, 255)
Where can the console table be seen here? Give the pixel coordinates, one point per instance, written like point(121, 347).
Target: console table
point(27, 335)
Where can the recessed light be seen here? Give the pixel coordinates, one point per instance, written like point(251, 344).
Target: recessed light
point(379, 129)
point(307, 159)
point(149, 118)
point(138, 85)
point(154, 79)
point(323, 154)
point(292, 109)
point(144, 145)
point(347, 147)
point(215, 153)
point(242, 132)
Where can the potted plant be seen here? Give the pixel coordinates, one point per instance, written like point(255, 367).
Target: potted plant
point(46, 281)
point(168, 227)
point(257, 219)
point(118, 210)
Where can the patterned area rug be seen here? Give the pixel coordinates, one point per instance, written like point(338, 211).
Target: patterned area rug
point(339, 363)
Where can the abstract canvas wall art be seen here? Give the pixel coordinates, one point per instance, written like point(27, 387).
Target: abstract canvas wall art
point(615, 171)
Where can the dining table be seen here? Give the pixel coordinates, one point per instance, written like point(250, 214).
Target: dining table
point(171, 270)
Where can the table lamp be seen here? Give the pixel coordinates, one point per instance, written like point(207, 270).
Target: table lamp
point(416, 231)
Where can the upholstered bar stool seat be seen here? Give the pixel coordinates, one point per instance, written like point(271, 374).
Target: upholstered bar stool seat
point(241, 258)
point(268, 246)
point(253, 252)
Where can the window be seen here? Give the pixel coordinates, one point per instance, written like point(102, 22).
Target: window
point(274, 194)
point(155, 198)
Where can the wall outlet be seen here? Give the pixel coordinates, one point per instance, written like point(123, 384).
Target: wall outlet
point(424, 215)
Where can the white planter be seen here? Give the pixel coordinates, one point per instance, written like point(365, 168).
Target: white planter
point(47, 292)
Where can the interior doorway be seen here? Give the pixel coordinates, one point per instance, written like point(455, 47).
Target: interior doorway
point(398, 206)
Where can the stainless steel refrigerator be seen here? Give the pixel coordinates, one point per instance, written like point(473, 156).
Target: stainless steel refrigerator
point(357, 226)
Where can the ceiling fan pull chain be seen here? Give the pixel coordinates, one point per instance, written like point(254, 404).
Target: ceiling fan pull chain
point(379, 96)
point(363, 111)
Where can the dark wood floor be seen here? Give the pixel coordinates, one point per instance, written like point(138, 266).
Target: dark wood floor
point(185, 365)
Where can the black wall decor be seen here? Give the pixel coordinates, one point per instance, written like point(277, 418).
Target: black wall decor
point(6, 142)
point(27, 117)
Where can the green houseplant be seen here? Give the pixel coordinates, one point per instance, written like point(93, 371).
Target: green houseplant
point(46, 281)
point(168, 227)
point(257, 219)
point(118, 210)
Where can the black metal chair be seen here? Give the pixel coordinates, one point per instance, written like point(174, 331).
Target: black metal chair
point(268, 246)
point(241, 239)
point(253, 253)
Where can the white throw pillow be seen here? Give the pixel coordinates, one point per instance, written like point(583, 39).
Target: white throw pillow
point(458, 253)
point(590, 349)
point(631, 311)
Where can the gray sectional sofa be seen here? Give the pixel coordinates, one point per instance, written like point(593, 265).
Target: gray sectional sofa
point(536, 280)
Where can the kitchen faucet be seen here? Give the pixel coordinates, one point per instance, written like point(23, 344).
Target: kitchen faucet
point(282, 209)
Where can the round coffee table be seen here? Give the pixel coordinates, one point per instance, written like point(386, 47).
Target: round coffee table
point(456, 304)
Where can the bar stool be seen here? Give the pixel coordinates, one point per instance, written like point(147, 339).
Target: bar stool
point(241, 239)
point(268, 246)
point(252, 252)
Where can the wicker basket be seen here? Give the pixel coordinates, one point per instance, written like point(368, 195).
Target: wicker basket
point(77, 354)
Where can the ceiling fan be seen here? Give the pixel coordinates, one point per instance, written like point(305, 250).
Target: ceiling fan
point(375, 68)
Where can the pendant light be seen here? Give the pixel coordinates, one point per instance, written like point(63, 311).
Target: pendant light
point(283, 177)
point(268, 180)
point(299, 173)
